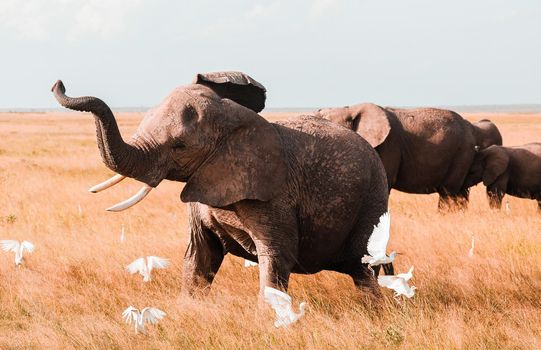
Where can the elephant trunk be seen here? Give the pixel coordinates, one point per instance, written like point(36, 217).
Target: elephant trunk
point(119, 156)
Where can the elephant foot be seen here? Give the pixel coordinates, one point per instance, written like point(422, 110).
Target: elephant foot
point(451, 204)
point(388, 269)
point(196, 287)
point(365, 280)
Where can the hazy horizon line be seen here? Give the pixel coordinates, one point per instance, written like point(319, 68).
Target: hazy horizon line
point(487, 108)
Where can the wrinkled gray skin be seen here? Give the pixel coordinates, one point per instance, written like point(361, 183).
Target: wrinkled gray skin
point(424, 150)
point(298, 196)
point(512, 170)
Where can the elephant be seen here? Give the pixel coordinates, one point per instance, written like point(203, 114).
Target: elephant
point(298, 196)
point(508, 170)
point(486, 134)
point(424, 150)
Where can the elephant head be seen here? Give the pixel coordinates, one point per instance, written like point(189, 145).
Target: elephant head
point(486, 134)
point(487, 166)
point(200, 134)
point(368, 120)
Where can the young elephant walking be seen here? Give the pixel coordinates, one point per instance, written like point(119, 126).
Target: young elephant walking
point(298, 196)
point(512, 170)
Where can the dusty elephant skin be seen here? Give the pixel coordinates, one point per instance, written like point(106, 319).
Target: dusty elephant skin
point(298, 196)
point(512, 170)
point(423, 150)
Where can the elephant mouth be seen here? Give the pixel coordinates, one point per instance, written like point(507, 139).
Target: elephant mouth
point(128, 203)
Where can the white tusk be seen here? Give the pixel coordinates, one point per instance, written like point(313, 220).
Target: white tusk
point(106, 184)
point(131, 201)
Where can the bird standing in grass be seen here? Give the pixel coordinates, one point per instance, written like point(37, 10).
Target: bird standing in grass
point(145, 268)
point(147, 315)
point(281, 303)
point(18, 248)
point(470, 253)
point(377, 243)
point(398, 283)
point(122, 235)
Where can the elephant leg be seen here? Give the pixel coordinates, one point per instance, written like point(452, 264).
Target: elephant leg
point(274, 271)
point(388, 269)
point(462, 198)
point(202, 260)
point(496, 191)
point(365, 280)
point(274, 232)
point(444, 202)
point(452, 188)
point(494, 199)
point(451, 202)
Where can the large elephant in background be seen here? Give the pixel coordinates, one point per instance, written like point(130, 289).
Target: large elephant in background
point(297, 196)
point(424, 150)
point(512, 170)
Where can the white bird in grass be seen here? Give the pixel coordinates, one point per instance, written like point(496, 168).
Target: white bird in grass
point(470, 253)
point(145, 269)
point(147, 315)
point(17, 248)
point(122, 236)
point(507, 208)
point(377, 243)
point(281, 303)
point(398, 283)
point(248, 263)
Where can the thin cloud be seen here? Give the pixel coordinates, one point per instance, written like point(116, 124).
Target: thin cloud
point(263, 10)
point(40, 20)
point(102, 18)
point(319, 8)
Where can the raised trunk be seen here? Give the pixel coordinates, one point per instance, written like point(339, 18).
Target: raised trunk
point(119, 156)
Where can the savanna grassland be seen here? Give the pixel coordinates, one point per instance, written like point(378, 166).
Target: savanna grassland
point(72, 290)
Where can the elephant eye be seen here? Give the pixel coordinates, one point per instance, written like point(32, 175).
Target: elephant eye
point(179, 145)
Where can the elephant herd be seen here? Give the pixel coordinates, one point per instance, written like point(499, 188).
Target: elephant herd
point(303, 195)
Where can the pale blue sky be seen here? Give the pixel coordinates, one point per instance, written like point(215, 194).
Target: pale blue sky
point(307, 53)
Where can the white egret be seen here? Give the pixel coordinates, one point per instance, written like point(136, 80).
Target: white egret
point(398, 283)
point(377, 243)
point(18, 248)
point(470, 253)
point(507, 208)
point(145, 269)
point(248, 263)
point(281, 303)
point(147, 315)
point(122, 236)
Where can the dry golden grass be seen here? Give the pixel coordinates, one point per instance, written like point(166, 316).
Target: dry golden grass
point(72, 290)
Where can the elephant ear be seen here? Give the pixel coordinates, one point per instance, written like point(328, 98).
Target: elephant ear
point(371, 122)
point(235, 86)
point(495, 162)
point(250, 163)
